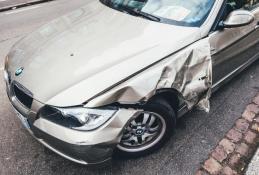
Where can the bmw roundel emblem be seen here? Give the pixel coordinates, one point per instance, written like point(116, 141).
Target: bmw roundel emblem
point(19, 71)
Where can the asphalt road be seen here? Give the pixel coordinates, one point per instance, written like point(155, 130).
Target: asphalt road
point(14, 3)
point(196, 135)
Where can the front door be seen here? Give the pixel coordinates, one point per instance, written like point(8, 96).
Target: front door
point(232, 48)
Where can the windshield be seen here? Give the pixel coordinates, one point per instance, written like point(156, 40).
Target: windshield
point(177, 12)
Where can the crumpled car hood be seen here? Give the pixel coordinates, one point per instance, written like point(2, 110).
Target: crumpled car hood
point(77, 56)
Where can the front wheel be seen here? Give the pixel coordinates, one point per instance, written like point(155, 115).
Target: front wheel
point(148, 131)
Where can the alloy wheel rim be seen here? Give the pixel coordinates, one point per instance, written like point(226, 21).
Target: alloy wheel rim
point(142, 132)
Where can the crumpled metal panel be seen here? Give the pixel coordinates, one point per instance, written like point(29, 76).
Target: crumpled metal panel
point(189, 71)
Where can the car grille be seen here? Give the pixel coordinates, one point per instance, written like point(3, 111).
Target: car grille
point(22, 94)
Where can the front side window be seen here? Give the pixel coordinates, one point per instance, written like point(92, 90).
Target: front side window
point(243, 4)
point(232, 5)
point(177, 12)
point(251, 4)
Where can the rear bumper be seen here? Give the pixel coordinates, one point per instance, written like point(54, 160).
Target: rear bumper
point(83, 147)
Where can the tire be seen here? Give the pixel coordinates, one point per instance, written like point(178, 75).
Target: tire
point(165, 121)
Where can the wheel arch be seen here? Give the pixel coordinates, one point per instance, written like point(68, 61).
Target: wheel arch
point(172, 96)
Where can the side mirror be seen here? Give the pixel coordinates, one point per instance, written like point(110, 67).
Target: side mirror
point(238, 18)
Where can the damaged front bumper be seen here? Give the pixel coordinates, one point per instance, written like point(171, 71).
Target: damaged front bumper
point(83, 147)
point(188, 72)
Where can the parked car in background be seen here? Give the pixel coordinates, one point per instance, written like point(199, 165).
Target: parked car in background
point(114, 76)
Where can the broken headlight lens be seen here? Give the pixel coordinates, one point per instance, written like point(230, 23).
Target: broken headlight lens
point(88, 119)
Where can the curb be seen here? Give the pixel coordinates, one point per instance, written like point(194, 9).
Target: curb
point(29, 3)
point(233, 153)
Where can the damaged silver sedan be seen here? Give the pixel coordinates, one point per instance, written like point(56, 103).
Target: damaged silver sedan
point(113, 76)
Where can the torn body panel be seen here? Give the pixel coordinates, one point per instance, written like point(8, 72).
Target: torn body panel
point(189, 71)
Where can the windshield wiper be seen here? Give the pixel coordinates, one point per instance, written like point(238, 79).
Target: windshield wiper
point(146, 15)
point(140, 13)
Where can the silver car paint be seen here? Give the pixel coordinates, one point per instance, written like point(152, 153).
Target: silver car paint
point(233, 47)
point(188, 71)
point(146, 42)
point(101, 141)
point(97, 54)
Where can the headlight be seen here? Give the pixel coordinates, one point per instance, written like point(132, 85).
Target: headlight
point(87, 119)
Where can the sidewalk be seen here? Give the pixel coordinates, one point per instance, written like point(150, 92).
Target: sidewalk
point(13, 4)
point(232, 155)
point(253, 167)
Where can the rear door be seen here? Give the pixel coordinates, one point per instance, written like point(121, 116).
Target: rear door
point(234, 47)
